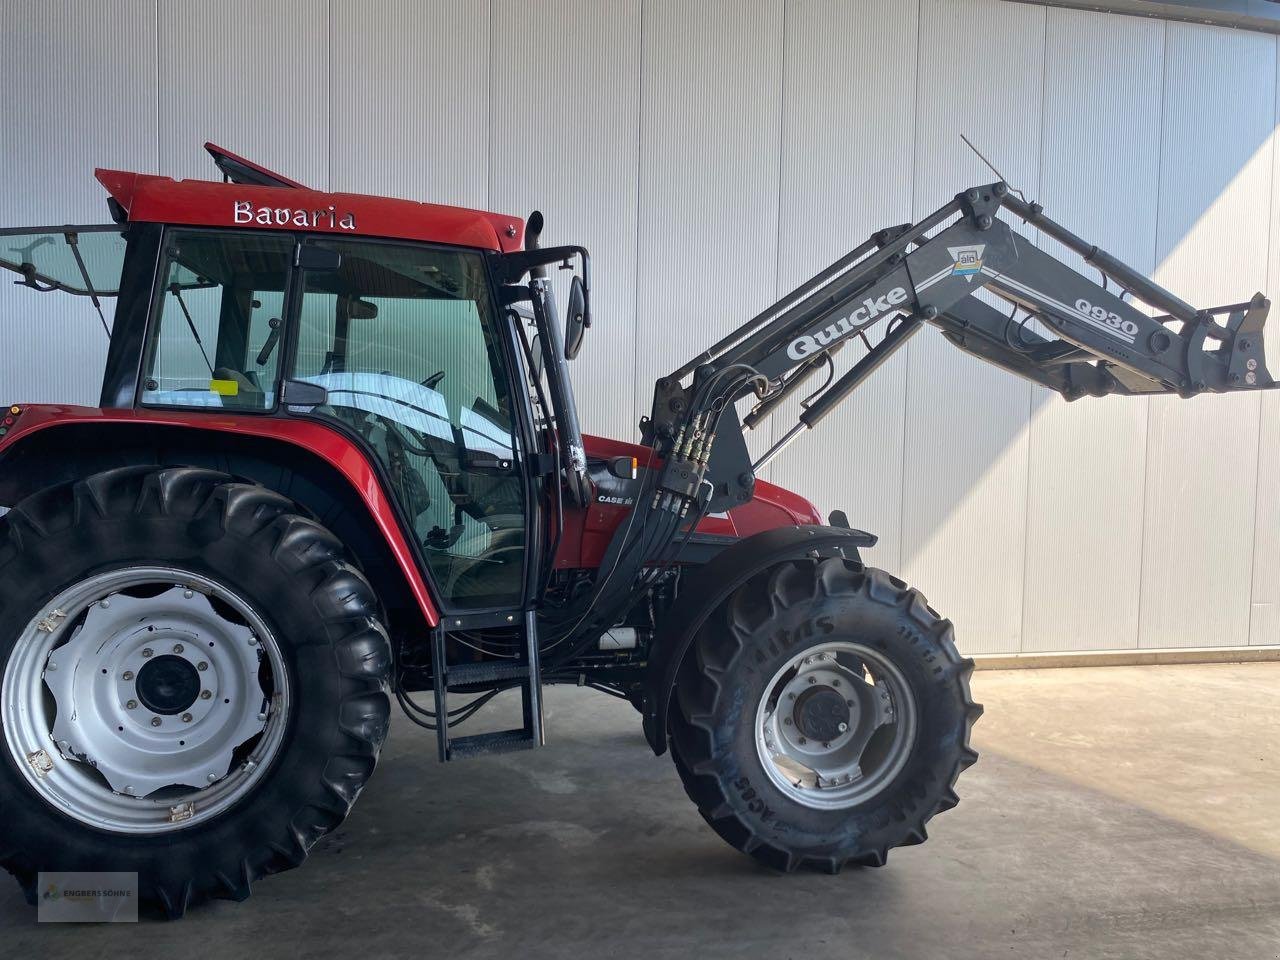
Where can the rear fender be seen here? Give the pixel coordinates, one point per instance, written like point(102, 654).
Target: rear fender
point(709, 586)
point(46, 422)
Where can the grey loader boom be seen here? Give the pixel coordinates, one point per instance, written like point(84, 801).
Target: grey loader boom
point(930, 272)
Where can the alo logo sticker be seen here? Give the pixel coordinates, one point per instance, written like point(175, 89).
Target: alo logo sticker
point(968, 260)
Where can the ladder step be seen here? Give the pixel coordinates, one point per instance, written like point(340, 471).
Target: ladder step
point(501, 741)
point(460, 674)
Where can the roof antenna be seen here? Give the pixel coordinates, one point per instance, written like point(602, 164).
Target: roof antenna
point(1012, 188)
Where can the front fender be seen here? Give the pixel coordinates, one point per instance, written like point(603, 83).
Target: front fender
point(709, 586)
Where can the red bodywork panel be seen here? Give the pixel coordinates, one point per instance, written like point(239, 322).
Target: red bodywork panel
point(155, 199)
point(327, 444)
point(586, 532)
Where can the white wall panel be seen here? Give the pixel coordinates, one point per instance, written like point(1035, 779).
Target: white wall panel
point(1212, 248)
point(965, 485)
point(578, 164)
point(848, 124)
point(79, 84)
point(250, 76)
point(409, 101)
point(1099, 176)
point(710, 126)
point(712, 155)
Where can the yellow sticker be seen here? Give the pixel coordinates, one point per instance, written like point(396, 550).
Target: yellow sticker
point(224, 388)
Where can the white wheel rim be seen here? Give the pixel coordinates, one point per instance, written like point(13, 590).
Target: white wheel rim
point(132, 701)
point(832, 768)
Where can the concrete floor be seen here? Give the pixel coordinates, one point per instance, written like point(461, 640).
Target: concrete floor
point(1116, 812)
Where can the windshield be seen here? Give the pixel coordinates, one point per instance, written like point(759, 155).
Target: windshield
point(79, 260)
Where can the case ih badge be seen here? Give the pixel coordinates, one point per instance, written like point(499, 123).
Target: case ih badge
point(337, 464)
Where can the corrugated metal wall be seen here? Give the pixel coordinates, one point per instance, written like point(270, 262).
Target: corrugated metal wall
point(713, 154)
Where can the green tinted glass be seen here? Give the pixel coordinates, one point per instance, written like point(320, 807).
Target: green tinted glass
point(47, 256)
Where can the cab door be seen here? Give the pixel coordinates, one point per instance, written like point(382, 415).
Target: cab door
point(413, 357)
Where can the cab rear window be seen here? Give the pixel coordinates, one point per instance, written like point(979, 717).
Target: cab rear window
point(80, 260)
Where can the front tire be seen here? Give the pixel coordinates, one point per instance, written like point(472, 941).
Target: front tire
point(128, 750)
point(823, 716)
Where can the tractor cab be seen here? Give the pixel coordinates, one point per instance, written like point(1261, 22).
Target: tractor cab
point(397, 323)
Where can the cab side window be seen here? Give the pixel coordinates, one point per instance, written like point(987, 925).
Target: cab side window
point(215, 338)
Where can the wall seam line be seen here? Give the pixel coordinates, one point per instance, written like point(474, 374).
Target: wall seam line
point(635, 262)
point(488, 115)
point(1031, 387)
point(782, 154)
point(1257, 458)
point(906, 350)
point(1155, 263)
point(328, 92)
point(159, 136)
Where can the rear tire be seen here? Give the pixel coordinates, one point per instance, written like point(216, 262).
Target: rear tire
point(795, 623)
point(229, 541)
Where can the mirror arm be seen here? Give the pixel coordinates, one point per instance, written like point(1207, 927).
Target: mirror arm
point(515, 265)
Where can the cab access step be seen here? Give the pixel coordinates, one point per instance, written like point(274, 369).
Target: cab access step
point(522, 671)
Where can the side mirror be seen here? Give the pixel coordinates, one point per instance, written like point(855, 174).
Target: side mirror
point(577, 318)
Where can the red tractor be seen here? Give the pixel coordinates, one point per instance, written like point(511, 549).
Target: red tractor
point(337, 463)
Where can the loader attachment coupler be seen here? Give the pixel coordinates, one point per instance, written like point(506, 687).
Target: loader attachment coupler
point(1049, 323)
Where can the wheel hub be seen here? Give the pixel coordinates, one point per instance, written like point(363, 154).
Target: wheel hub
point(821, 713)
point(168, 685)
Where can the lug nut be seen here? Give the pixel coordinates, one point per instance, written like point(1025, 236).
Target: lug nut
point(212, 778)
point(202, 666)
point(813, 679)
point(186, 718)
point(786, 721)
point(803, 740)
point(842, 727)
point(131, 705)
point(156, 721)
point(848, 703)
point(187, 594)
point(253, 641)
point(206, 694)
point(128, 675)
point(178, 648)
point(835, 682)
point(147, 652)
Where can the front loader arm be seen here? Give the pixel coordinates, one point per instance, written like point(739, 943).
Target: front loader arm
point(1095, 340)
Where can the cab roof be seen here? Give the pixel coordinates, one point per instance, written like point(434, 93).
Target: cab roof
point(254, 197)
